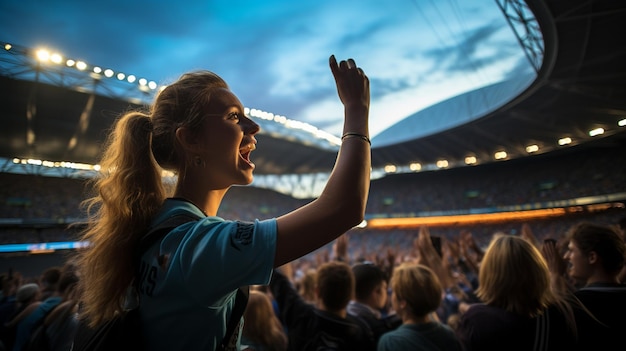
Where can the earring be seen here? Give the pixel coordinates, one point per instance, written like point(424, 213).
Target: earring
point(198, 162)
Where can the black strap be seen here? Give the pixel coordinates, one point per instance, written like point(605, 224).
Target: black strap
point(235, 318)
point(542, 332)
point(157, 233)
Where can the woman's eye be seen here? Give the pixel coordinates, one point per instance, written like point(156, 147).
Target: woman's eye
point(234, 116)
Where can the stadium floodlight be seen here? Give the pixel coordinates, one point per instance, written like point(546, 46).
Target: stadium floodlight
point(415, 166)
point(43, 55)
point(442, 164)
point(81, 65)
point(56, 58)
point(500, 155)
point(532, 148)
point(470, 160)
point(622, 122)
point(565, 141)
point(390, 168)
point(131, 78)
point(596, 132)
point(108, 73)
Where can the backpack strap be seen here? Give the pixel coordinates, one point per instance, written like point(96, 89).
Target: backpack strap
point(157, 233)
point(542, 332)
point(153, 235)
point(235, 318)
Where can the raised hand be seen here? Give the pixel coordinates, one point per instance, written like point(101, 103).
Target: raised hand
point(353, 85)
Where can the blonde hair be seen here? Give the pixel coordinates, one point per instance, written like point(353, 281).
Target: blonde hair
point(261, 325)
point(419, 286)
point(129, 190)
point(514, 276)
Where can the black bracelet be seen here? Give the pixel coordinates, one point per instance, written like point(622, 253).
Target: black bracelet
point(351, 134)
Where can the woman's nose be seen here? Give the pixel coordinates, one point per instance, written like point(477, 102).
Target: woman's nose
point(251, 127)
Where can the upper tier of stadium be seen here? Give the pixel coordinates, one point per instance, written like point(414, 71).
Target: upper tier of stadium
point(578, 89)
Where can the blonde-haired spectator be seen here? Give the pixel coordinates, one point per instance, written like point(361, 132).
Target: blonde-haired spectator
point(262, 329)
point(416, 295)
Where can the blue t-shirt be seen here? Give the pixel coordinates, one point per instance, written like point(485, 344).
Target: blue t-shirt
point(27, 325)
point(190, 278)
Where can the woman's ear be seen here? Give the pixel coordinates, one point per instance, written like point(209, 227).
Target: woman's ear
point(187, 138)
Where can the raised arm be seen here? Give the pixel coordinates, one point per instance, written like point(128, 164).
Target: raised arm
point(341, 204)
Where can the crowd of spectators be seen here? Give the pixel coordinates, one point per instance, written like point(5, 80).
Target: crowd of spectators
point(47, 204)
point(40, 201)
point(534, 179)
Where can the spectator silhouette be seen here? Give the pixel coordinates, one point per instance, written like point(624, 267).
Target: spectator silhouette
point(370, 299)
point(416, 295)
point(595, 256)
point(262, 330)
point(327, 326)
point(26, 295)
point(519, 309)
point(48, 281)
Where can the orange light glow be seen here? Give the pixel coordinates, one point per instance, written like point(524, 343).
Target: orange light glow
point(382, 223)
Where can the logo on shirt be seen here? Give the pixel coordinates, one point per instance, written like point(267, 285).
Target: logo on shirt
point(242, 235)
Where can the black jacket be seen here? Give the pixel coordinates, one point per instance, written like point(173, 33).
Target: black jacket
point(309, 328)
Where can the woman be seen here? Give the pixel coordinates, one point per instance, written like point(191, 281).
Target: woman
point(519, 309)
point(262, 330)
point(197, 128)
point(416, 295)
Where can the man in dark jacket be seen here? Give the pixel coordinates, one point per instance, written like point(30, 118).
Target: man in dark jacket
point(326, 326)
point(370, 298)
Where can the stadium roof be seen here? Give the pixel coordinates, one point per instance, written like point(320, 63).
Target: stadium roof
point(579, 86)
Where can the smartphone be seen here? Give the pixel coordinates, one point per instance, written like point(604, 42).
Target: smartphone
point(436, 240)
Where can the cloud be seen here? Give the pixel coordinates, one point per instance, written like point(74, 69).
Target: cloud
point(274, 54)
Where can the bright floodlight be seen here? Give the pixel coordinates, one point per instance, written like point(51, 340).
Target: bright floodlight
point(56, 58)
point(43, 55)
point(121, 76)
point(500, 155)
point(131, 78)
point(415, 166)
point(390, 168)
point(108, 73)
point(442, 163)
point(81, 65)
point(622, 122)
point(597, 131)
point(532, 148)
point(565, 141)
point(470, 160)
